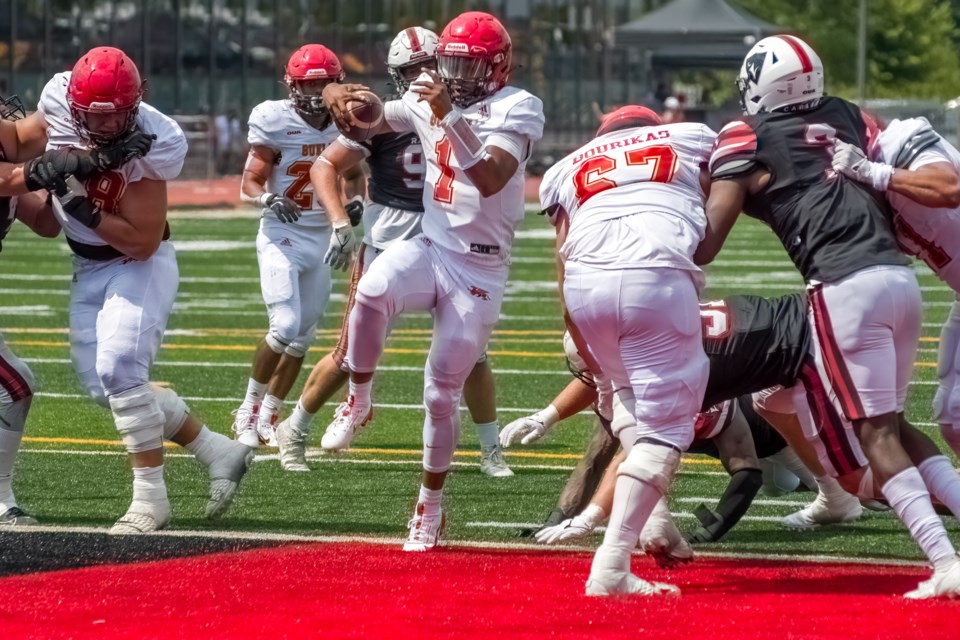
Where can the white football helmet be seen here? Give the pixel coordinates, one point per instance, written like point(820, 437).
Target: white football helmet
point(412, 49)
point(780, 71)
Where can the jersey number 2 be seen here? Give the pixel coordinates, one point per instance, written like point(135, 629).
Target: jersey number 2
point(661, 159)
point(300, 172)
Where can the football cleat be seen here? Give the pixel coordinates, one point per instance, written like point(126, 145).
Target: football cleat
point(425, 530)
point(627, 584)
point(293, 447)
point(267, 430)
point(225, 475)
point(341, 432)
point(662, 540)
point(493, 464)
point(942, 584)
point(822, 512)
point(145, 519)
point(244, 428)
point(16, 517)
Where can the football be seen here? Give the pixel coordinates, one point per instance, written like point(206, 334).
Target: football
point(366, 113)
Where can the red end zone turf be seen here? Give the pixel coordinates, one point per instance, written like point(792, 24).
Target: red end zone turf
point(375, 591)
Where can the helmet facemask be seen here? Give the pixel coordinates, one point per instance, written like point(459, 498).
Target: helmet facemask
point(12, 108)
point(307, 97)
point(465, 77)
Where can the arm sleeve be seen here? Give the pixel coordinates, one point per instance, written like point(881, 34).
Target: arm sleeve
point(734, 152)
point(739, 495)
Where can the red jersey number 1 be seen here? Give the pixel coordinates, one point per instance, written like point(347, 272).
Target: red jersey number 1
point(443, 190)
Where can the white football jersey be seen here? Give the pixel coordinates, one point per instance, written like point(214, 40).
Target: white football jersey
point(163, 162)
point(933, 235)
point(602, 186)
point(275, 124)
point(456, 216)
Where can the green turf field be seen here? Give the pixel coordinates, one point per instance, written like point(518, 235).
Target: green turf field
point(72, 471)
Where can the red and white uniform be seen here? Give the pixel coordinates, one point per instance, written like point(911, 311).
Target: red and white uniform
point(635, 209)
point(118, 307)
point(933, 235)
point(294, 281)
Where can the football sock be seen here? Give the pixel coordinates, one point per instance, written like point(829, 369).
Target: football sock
point(148, 486)
point(270, 407)
point(301, 419)
point(832, 491)
point(361, 397)
point(430, 499)
point(942, 481)
point(633, 502)
point(9, 444)
point(208, 446)
point(489, 435)
point(910, 500)
point(255, 392)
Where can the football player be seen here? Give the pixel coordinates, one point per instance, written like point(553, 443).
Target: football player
point(477, 135)
point(285, 137)
point(396, 192)
point(865, 307)
point(628, 209)
point(125, 274)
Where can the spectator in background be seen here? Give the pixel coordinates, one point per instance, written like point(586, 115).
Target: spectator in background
point(228, 142)
point(672, 110)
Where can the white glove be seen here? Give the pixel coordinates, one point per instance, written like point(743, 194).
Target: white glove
point(605, 394)
point(343, 244)
point(572, 528)
point(850, 160)
point(530, 429)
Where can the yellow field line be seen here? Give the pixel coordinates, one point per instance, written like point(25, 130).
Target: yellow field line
point(366, 450)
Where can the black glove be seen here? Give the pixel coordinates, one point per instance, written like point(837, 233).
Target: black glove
point(40, 172)
point(134, 144)
point(284, 208)
point(73, 200)
point(354, 210)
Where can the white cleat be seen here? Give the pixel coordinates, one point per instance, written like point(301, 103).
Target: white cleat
point(425, 530)
point(822, 512)
point(627, 584)
point(341, 432)
point(225, 475)
point(293, 447)
point(493, 464)
point(244, 427)
point(267, 430)
point(142, 518)
point(662, 540)
point(17, 517)
point(943, 584)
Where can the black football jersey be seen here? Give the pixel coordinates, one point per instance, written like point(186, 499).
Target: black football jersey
point(397, 170)
point(766, 440)
point(831, 226)
point(753, 343)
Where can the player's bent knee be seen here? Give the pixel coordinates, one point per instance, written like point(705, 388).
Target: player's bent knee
point(174, 410)
point(651, 464)
point(138, 418)
point(275, 343)
point(373, 291)
point(440, 400)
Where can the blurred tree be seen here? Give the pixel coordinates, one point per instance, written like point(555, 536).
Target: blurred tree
point(911, 44)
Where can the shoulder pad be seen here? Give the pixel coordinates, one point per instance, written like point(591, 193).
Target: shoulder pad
point(734, 151)
point(911, 148)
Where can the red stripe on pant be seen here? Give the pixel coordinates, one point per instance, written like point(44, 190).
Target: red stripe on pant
point(12, 382)
point(830, 428)
point(833, 361)
point(340, 351)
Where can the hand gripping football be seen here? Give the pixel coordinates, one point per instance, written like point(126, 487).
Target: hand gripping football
point(366, 114)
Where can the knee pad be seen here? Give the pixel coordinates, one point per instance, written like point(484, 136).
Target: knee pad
point(301, 344)
point(482, 358)
point(440, 400)
point(174, 410)
point(138, 418)
point(652, 464)
point(373, 290)
point(275, 344)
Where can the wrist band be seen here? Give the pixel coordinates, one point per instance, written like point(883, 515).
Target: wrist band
point(467, 148)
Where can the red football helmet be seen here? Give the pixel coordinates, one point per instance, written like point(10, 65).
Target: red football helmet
point(474, 57)
point(104, 95)
point(628, 117)
point(309, 70)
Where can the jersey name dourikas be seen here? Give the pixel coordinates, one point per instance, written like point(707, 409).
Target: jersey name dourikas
point(275, 124)
point(456, 216)
point(162, 163)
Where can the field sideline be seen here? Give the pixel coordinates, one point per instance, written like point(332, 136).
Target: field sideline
point(73, 476)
